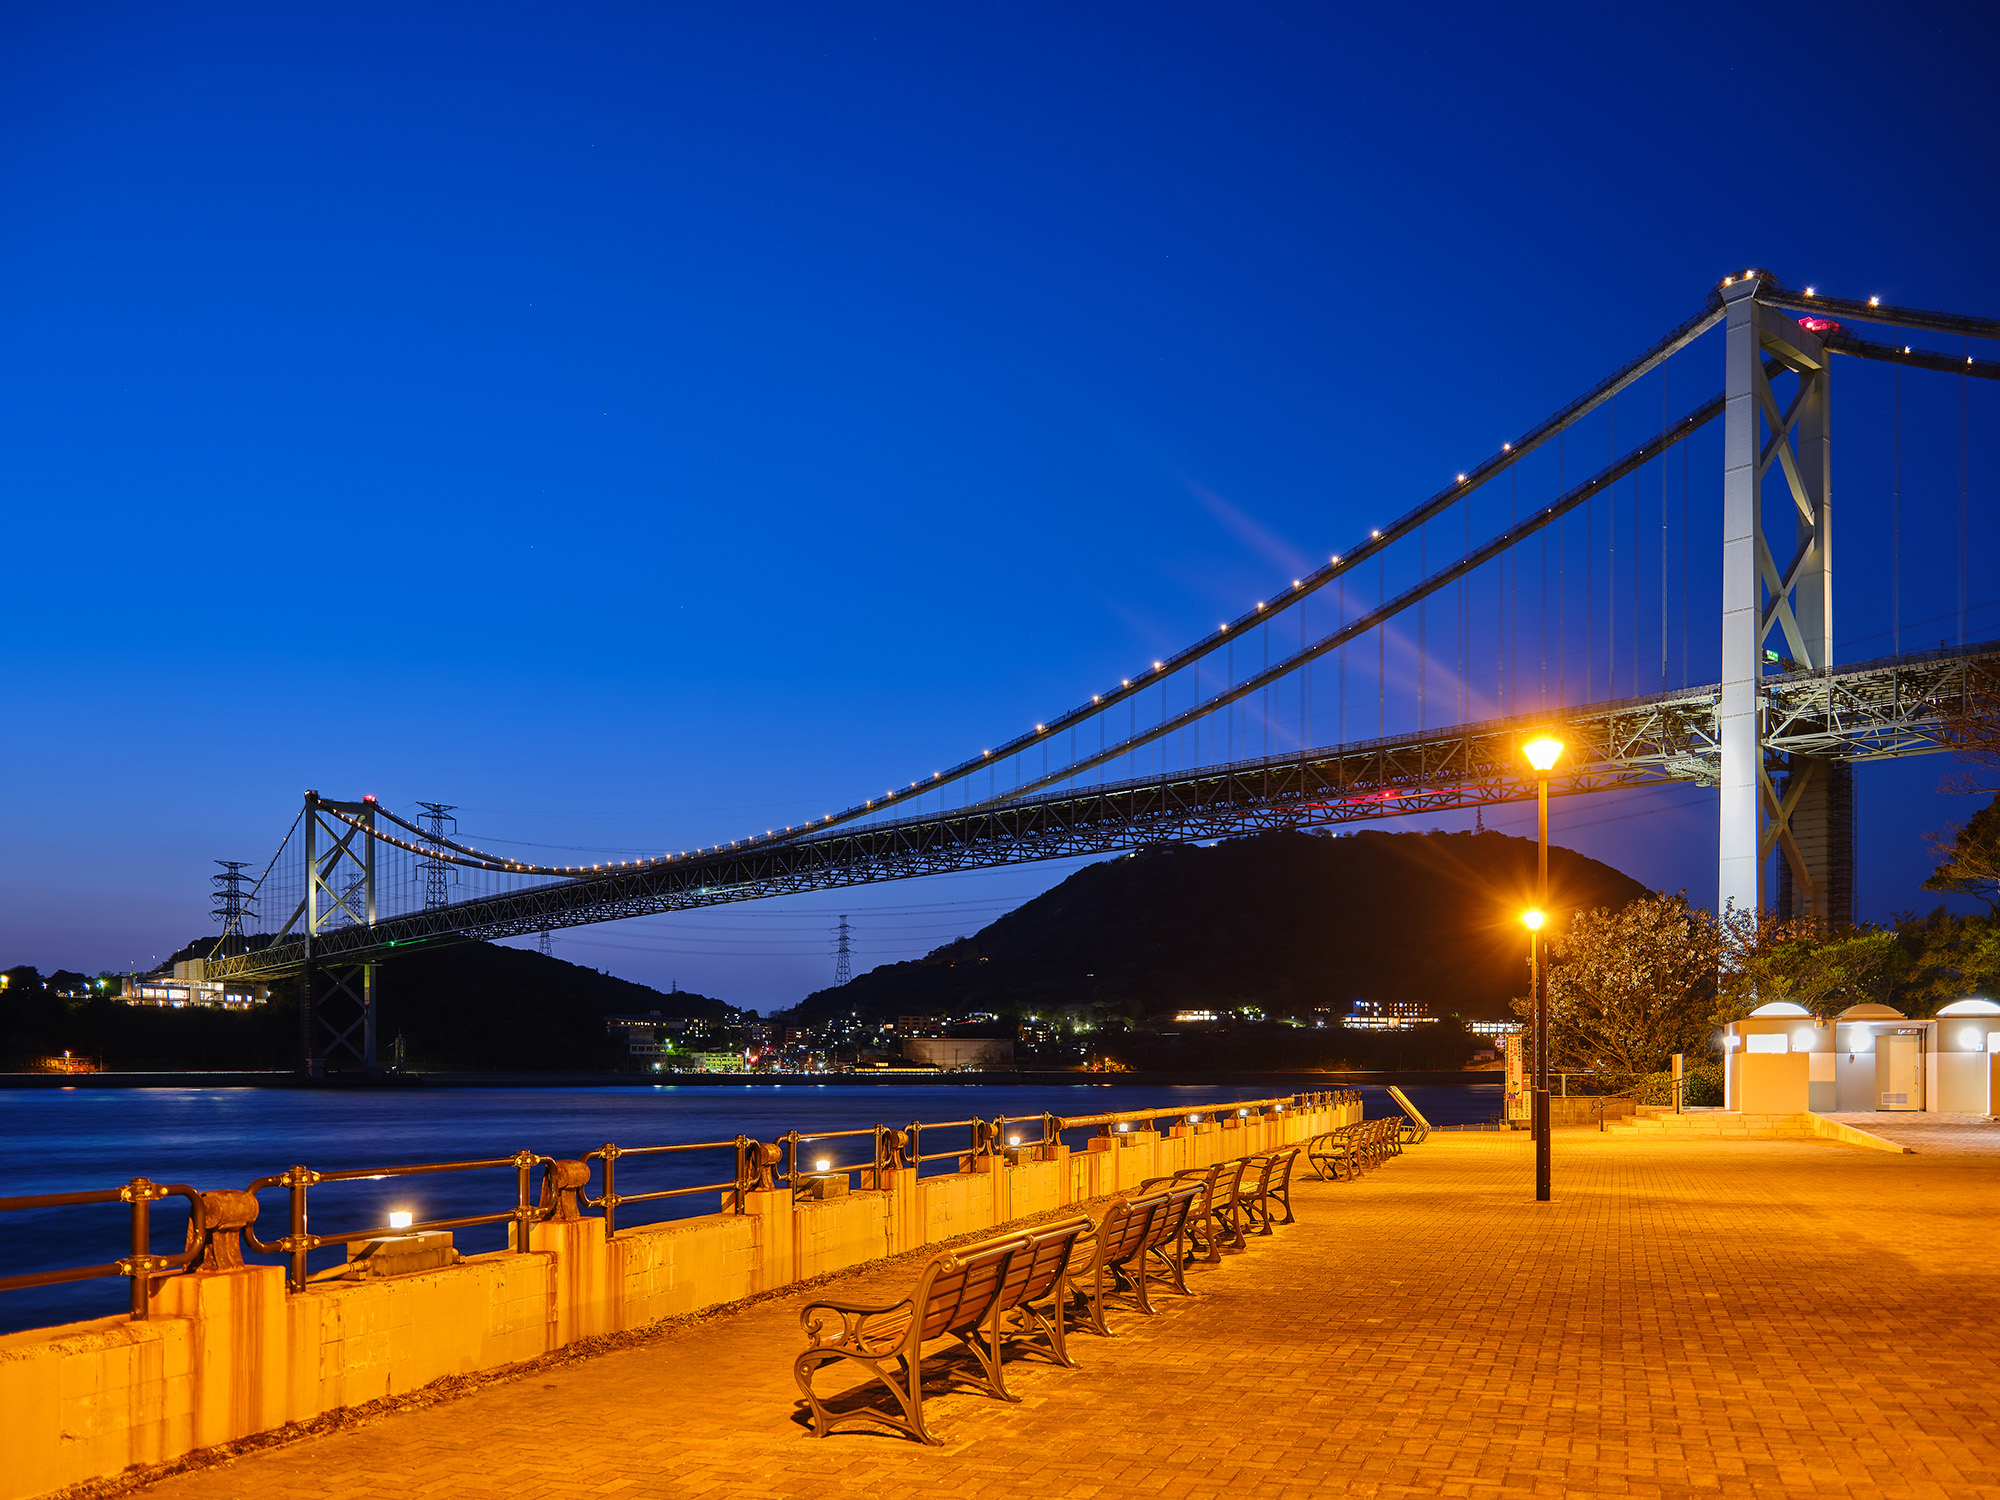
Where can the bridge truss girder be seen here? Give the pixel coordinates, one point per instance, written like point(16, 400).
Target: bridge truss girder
point(1864, 712)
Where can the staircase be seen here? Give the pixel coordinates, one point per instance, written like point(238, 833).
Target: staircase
point(1657, 1119)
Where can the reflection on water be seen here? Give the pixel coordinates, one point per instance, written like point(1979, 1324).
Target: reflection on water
point(70, 1140)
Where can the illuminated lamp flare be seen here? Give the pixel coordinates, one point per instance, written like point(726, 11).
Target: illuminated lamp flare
point(1543, 752)
point(1532, 920)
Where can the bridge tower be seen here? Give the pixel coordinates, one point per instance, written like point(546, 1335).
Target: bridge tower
point(1777, 616)
point(337, 1004)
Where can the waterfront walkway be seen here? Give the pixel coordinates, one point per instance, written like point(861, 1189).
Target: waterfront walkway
point(1692, 1318)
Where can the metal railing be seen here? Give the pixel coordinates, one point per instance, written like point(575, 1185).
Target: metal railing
point(789, 1162)
point(141, 1265)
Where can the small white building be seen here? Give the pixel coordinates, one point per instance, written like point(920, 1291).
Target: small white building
point(1780, 1060)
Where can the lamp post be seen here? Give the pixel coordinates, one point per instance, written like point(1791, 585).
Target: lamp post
point(1542, 751)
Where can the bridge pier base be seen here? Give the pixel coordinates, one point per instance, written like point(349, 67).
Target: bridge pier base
point(1816, 842)
point(339, 1005)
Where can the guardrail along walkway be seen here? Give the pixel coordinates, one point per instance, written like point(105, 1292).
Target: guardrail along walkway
point(1688, 1317)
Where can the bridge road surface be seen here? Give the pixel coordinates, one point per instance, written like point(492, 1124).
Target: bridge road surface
point(1691, 1318)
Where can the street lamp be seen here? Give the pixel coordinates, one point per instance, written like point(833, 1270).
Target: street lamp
point(1543, 751)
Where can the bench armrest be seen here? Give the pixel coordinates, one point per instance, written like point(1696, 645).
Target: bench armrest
point(853, 1317)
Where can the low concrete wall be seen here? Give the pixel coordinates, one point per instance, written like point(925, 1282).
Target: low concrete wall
point(229, 1353)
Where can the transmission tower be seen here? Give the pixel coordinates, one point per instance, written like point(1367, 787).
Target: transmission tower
point(546, 943)
point(437, 874)
point(843, 955)
point(232, 902)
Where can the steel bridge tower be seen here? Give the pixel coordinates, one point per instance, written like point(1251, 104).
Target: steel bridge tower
point(1807, 811)
point(337, 1004)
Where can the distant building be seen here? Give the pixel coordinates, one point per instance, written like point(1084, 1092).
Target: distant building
point(909, 1026)
point(1376, 1015)
point(180, 994)
point(1036, 1033)
point(717, 1062)
point(967, 1052)
point(648, 1035)
point(1493, 1028)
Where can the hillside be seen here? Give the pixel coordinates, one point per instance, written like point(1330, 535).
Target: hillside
point(1283, 921)
point(465, 1006)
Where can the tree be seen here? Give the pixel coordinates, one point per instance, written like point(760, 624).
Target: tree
point(1808, 963)
point(1631, 987)
point(1969, 859)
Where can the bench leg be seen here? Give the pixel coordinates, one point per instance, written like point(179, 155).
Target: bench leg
point(1050, 1321)
point(903, 1377)
point(987, 1351)
point(1090, 1302)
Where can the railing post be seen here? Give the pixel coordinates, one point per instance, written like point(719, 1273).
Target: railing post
point(610, 1189)
point(742, 1170)
point(296, 1182)
point(140, 1191)
point(524, 1168)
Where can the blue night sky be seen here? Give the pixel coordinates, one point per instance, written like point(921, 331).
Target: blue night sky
point(640, 424)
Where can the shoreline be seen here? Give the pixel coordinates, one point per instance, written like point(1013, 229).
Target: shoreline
point(1280, 1078)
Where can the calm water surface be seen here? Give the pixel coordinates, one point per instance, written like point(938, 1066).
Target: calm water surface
point(69, 1140)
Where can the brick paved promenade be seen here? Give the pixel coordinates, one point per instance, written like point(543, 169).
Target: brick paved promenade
point(1693, 1318)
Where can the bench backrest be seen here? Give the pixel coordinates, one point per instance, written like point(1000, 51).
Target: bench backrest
point(1171, 1219)
point(1040, 1261)
point(1281, 1179)
point(959, 1288)
point(1121, 1234)
point(1228, 1182)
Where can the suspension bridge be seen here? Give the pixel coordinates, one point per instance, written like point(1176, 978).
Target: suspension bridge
point(1262, 724)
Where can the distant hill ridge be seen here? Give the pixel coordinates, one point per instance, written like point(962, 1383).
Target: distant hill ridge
point(1280, 920)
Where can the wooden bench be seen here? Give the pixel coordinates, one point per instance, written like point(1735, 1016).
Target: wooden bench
point(1269, 1190)
point(1115, 1260)
point(1331, 1154)
point(1031, 1294)
point(967, 1294)
point(1215, 1220)
point(1166, 1254)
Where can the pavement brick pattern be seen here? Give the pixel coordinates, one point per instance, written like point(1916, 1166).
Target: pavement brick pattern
point(1693, 1317)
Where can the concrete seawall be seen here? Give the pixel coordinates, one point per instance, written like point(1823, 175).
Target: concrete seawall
point(226, 1354)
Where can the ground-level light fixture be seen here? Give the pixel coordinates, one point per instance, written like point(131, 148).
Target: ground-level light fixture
point(401, 1218)
point(824, 1164)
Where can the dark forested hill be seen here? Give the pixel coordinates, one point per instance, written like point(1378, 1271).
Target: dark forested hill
point(463, 1006)
point(1283, 921)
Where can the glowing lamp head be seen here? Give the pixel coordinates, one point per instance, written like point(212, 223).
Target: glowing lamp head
point(824, 1164)
point(1013, 1140)
point(1533, 920)
point(401, 1218)
point(1543, 751)
point(1123, 1127)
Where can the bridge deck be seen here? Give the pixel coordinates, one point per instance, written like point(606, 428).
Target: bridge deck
point(1860, 711)
point(1692, 1317)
